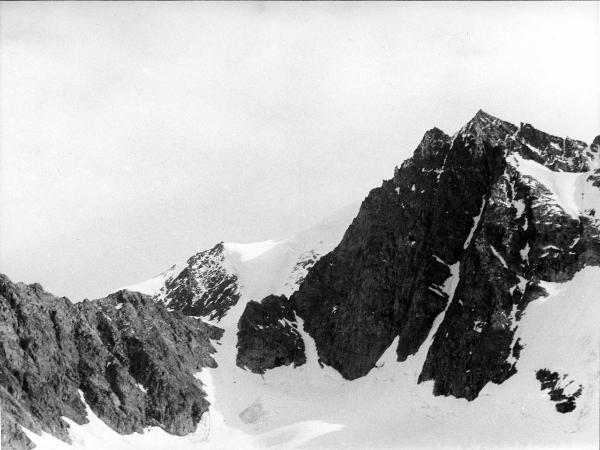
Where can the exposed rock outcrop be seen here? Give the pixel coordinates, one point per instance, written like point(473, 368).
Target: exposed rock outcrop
point(132, 360)
point(557, 387)
point(268, 336)
point(204, 288)
point(523, 237)
point(560, 154)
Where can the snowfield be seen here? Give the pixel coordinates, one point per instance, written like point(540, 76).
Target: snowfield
point(272, 262)
point(313, 407)
point(568, 189)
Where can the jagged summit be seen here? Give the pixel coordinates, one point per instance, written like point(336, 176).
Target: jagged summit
point(485, 131)
point(556, 153)
point(434, 133)
point(433, 143)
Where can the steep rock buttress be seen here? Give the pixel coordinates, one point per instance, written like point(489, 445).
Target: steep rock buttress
point(478, 199)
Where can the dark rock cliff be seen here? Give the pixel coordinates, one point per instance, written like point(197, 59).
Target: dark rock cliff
point(460, 200)
point(521, 240)
point(132, 360)
point(384, 279)
point(268, 336)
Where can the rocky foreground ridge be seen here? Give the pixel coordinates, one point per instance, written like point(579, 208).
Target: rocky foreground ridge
point(128, 357)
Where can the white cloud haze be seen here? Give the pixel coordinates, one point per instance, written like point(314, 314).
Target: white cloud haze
point(134, 134)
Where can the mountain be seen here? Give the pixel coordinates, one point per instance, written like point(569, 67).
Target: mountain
point(124, 354)
point(212, 281)
point(468, 227)
point(460, 296)
point(151, 362)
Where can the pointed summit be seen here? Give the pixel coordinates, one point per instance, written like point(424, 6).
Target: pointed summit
point(435, 134)
point(432, 143)
point(481, 114)
point(486, 120)
point(484, 125)
point(481, 117)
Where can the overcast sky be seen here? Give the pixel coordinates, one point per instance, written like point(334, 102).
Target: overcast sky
point(133, 135)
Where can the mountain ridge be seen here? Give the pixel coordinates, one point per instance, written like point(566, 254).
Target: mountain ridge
point(118, 354)
point(434, 291)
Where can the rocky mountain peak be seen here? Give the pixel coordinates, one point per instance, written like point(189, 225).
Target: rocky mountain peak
point(439, 271)
point(431, 135)
point(484, 132)
point(463, 230)
point(483, 119)
point(484, 126)
point(432, 145)
point(206, 287)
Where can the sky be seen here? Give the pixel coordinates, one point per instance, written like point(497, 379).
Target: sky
point(133, 135)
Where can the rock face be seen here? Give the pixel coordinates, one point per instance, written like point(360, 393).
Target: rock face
point(559, 154)
point(486, 203)
point(385, 278)
point(131, 359)
point(268, 336)
point(556, 386)
point(204, 288)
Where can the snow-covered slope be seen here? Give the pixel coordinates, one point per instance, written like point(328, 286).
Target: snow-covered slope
point(153, 286)
point(570, 191)
point(314, 407)
point(259, 268)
